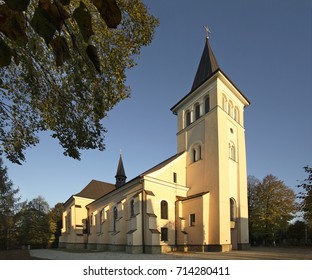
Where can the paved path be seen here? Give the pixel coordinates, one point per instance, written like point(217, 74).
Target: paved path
point(255, 253)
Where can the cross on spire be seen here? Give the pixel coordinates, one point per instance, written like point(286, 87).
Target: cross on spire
point(207, 31)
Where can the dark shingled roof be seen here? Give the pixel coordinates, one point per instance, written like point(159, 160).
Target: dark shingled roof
point(120, 169)
point(96, 189)
point(207, 68)
point(208, 65)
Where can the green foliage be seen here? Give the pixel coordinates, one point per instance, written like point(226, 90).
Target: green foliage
point(56, 214)
point(26, 223)
point(298, 232)
point(33, 223)
point(271, 206)
point(66, 69)
point(8, 202)
point(305, 196)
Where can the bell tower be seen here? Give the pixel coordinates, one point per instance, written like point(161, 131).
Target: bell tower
point(211, 132)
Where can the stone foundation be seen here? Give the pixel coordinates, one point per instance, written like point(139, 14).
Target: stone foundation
point(134, 249)
point(243, 246)
point(156, 249)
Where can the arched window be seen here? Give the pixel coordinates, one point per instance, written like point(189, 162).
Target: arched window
point(132, 208)
point(207, 104)
point(187, 118)
point(233, 209)
point(164, 209)
point(236, 114)
point(164, 234)
point(91, 219)
point(102, 216)
point(196, 153)
point(224, 103)
point(232, 151)
point(68, 221)
point(197, 111)
point(230, 109)
point(115, 212)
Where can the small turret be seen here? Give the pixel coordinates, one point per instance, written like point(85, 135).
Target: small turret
point(120, 174)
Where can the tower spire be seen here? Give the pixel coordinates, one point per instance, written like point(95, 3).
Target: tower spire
point(208, 63)
point(120, 174)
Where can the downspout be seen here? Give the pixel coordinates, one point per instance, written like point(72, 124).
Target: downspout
point(175, 225)
point(88, 228)
point(143, 206)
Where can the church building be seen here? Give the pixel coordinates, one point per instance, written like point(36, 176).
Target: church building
point(195, 200)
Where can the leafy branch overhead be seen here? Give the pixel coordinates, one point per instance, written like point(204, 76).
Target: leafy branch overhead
point(50, 17)
point(63, 67)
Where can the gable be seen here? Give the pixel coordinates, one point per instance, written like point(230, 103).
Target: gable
point(166, 169)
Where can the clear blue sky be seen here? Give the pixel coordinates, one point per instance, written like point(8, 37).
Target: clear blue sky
point(264, 47)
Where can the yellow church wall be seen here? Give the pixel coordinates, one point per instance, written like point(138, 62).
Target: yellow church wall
point(75, 212)
point(223, 188)
point(156, 222)
point(233, 173)
point(165, 174)
point(109, 232)
point(195, 231)
point(195, 178)
point(193, 234)
point(135, 222)
point(207, 89)
point(243, 196)
point(160, 186)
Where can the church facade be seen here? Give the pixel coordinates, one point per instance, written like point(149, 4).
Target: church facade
point(194, 200)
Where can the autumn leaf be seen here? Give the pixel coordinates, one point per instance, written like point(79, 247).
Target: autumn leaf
point(17, 5)
point(83, 19)
point(12, 25)
point(109, 11)
point(92, 54)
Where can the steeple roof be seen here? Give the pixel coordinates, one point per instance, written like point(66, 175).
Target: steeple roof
point(120, 174)
point(207, 68)
point(208, 65)
point(120, 169)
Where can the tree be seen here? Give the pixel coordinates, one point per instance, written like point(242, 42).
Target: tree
point(298, 232)
point(33, 223)
point(305, 195)
point(8, 200)
point(271, 206)
point(252, 184)
point(63, 67)
point(56, 214)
